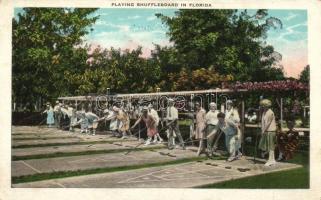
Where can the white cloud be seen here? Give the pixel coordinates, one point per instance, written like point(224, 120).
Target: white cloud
point(122, 27)
point(130, 40)
point(130, 18)
point(151, 18)
point(290, 31)
point(134, 17)
point(104, 14)
point(291, 16)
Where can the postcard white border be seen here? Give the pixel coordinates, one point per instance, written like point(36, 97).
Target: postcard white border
point(314, 54)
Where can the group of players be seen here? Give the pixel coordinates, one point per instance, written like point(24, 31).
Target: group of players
point(209, 126)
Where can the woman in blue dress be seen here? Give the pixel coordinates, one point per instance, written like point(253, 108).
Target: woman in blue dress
point(50, 115)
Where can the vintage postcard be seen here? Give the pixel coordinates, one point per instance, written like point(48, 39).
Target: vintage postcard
point(161, 99)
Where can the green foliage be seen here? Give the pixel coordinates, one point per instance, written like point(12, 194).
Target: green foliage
point(197, 79)
point(49, 59)
point(230, 42)
point(305, 75)
point(209, 47)
point(122, 71)
point(290, 179)
point(44, 41)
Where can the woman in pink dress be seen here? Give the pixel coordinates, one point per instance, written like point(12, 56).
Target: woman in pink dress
point(150, 125)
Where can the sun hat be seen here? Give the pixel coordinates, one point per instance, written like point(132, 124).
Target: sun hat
point(265, 103)
point(115, 108)
point(212, 104)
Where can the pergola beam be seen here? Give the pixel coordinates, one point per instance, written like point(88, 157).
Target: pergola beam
point(155, 94)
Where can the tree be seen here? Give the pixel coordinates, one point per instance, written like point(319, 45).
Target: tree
point(123, 71)
point(46, 44)
point(229, 41)
point(305, 75)
point(197, 79)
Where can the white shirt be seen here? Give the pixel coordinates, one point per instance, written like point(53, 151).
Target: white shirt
point(113, 120)
point(252, 118)
point(154, 114)
point(172, 113)
point(232, 115)
point(69, 111)
point(56, 108)
point(64, 111)
point(91, 116)
point(211, 117)
point(228, 127)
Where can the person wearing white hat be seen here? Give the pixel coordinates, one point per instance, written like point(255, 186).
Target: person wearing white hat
point(92, 122)
point(72, 117)
point(150, 124)
point(172, 122)
point(200, 127)
point(232, 114)
point(211, 128)
point(154, 114)
point(114, 122)
point(83, 121)
point(268, 129)
point(58, 114)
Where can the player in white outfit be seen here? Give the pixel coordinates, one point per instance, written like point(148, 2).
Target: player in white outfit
point(154, 114)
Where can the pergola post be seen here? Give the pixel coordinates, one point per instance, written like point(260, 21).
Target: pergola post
point(242, 125)
point(192, 105)
point(157, 98)
point(281, 112)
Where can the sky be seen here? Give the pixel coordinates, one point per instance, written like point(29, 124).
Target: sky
point(128, 28)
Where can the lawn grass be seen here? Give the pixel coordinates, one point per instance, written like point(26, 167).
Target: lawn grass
point(64, 174)
point(81, 153)
point(44, 138)
point(289, 179)
point(185, 122)
point(66, 144)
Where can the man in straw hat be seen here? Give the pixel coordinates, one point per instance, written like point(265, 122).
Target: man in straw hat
point(268, 139)
point(172, 122)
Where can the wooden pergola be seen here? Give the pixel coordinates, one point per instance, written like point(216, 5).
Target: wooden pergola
point(156, 95)
point(150, 95)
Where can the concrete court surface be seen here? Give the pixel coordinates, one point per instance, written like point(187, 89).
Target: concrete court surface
point(189, 174)
point(185, 175)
